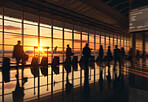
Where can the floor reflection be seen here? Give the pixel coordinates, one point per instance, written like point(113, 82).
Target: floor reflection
point(110, 85)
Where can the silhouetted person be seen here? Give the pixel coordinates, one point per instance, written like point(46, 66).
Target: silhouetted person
point(143, 57)
point(130, 56)
point(101, 53)
point(68, 87)
point(109, 56)
point(115, 81)
point(86, 55)
point(18, 52)
point(122, 57)
point(109, 80)
point(138, 55)
point(68, 68)
point(68, 52)
point(18, 94)
point(101, 80)
point(117, 57)
point(120, 83)
point(100, 59)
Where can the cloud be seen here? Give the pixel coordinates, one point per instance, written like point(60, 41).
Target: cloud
point(10, 27)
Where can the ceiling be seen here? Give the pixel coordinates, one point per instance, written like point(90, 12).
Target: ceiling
point(121, 6)
point(110, 15)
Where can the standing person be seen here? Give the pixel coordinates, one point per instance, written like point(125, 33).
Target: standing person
point(122, 55)
point(101, 53)
point(117, 57)
point(67, 63)
point(18, 52)
point(87, 54)
point(130, 56)
point(68, 52)
point(100, 56)
point(109, 57)
point(138, 55)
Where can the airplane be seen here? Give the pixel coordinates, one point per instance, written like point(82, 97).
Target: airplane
point(55, 49)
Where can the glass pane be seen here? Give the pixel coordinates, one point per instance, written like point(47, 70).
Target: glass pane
point(12, 27)
point(67, 35)
point(57, 33)
point(45, 42)
point(11, 39)
point(45, 32)
point(67, 42)
point(77, 36)
point(91, 38)
point(77, 44)
point(30, 40)
point(30, 29)
point(57, 42)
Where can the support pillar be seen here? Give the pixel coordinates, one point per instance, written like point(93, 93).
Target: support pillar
point(133, 43)
point(143, 46)
point(133, 46)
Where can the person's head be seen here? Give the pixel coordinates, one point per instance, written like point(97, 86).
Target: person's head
point(67, 45)
point(108, 47)
point(116, 46)
point(122, 48)
point(87, 44)
point(137, 50)
point(101, 47)
point(18, 42)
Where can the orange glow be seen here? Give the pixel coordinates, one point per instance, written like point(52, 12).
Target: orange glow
point(41, 49)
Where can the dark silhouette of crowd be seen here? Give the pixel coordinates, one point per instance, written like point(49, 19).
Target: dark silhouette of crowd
point(117, 56)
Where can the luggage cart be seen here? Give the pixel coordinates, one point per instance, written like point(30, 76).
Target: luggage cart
point(35, 64)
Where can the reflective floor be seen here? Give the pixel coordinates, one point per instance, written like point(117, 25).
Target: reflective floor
point(125, 85)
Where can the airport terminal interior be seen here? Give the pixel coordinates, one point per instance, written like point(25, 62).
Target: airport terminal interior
point(73, 50)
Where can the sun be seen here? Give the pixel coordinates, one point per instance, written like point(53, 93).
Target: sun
point(41, 49)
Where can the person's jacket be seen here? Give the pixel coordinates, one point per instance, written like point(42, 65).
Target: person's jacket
point(18, 52)
point(117, 53)
point(101, 53)
point(109, 55)
point(86, 52)
point(68, 52)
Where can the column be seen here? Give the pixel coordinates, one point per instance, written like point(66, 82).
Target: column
point(143, 45)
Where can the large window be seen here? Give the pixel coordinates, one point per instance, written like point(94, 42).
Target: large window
point(36, 30)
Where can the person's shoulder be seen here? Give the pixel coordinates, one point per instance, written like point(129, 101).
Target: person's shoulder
point(84, 47)
point(15, 46)
point(20, 46)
